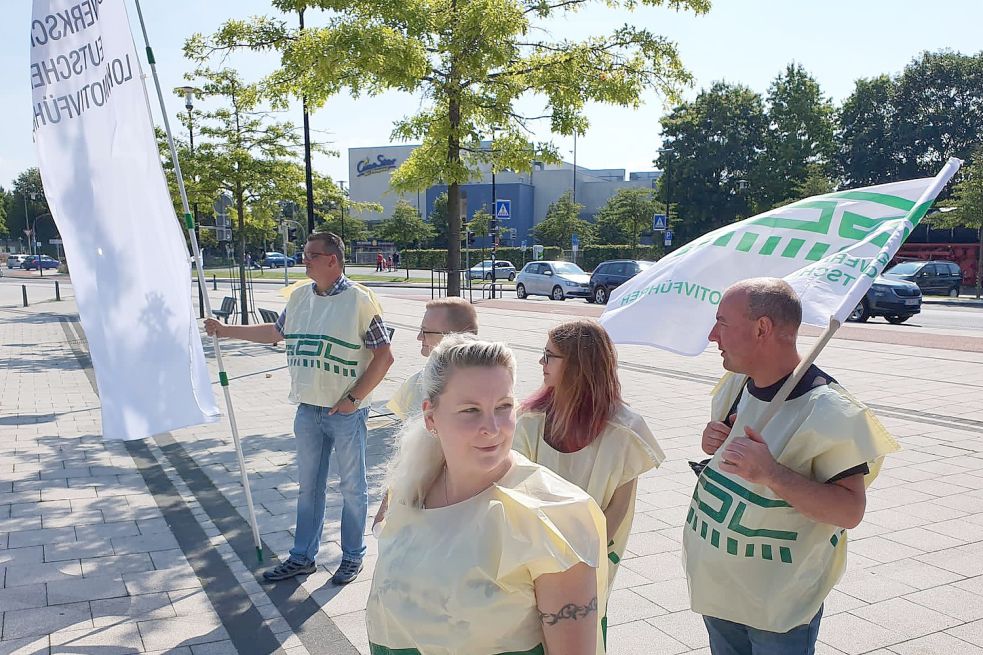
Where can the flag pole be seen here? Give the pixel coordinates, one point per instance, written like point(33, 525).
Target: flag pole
point(189, 223)
point(786, 389)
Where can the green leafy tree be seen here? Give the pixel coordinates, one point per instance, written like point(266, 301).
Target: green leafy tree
point(334, 210)
point(472, 60)
point(5, 201)
point(907, 126)
point(626, 216)
point(28, 208)
point(800, 135)
point(940, 111)
point(866, 134)
point(715, 141)
point(405, 227)
point(245, 154)
point(438, 219)
point(562, 221)
point(967, 198)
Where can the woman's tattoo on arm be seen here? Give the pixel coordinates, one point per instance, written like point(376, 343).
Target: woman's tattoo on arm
point(569, 611)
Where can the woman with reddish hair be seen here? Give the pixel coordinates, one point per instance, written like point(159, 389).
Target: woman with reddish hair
point(578, 426)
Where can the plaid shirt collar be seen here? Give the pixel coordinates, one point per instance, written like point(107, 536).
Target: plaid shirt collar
point(342, 284)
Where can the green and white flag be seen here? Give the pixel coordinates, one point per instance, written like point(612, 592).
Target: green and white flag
point(830, 248)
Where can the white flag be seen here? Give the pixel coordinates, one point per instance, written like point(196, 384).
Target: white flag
point(830, 248)
point(106, 189)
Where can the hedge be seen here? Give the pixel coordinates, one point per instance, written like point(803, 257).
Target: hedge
point(438, 258)
point(587, 258)
point(590, 256)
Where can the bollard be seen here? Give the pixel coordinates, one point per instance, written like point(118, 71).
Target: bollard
point(57, 291)
point(214, 283)
point(23, 289)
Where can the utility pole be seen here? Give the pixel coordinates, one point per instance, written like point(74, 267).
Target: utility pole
point(189, 104)
point(308, 171)
point(494, 220)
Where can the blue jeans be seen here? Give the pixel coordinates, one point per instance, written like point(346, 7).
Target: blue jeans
point(316, 432)
point(728, 638)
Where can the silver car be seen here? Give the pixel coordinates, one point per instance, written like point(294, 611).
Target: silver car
point(556, 279)
point(504, 270)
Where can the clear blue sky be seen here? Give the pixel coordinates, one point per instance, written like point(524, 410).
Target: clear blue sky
point(745, 41)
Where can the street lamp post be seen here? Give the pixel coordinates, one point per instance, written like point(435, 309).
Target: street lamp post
point(189, 104)
point(494, 220)
point(668, 188)
point(341, 183)
point(34, 231)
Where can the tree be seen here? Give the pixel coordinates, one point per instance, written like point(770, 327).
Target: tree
point(800, 134)
point(967, 198)
point(405, 227)
point(5, 200)
point(26, 205)
point(245, 155)
point(940, 111)
point(715, 141)
point(562, 222)
point(334, 210)
point(472, 60)
point(909, 125)
point(626, 215)
point(438, 219)
point(866, 135)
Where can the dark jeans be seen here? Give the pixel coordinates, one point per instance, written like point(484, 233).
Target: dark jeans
point(729, 638)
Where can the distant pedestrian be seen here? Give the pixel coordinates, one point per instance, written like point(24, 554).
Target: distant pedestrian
point(389, 263)
point(378, 262)
point(396, 260)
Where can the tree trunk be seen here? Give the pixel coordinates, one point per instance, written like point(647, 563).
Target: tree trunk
point(241, 256)
point(454, 200)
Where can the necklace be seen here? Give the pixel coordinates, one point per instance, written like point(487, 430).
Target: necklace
point(447, 500)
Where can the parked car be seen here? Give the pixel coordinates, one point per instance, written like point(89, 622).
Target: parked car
point(894, 299)
point(276, 260)
point(934, 277)
point(558, 280)
point(16, 261)
point(31, 262)
point(611, 275)
point(504, 270)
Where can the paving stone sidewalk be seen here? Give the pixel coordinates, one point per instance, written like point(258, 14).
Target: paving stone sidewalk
point(96, 537)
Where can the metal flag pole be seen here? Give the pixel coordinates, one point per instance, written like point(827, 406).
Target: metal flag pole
point(189, 223)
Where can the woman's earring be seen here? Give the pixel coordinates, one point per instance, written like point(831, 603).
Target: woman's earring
point(433, 431)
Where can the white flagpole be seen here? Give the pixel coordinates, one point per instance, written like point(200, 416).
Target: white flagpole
point(190, 225)
point(797, 373)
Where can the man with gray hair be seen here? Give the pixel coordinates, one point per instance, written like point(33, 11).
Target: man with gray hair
point(765, 535)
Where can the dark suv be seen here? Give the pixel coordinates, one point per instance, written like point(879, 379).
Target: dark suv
point(611, 275)
point(934, 277)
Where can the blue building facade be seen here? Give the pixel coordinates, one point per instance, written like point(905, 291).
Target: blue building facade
point(476, 197)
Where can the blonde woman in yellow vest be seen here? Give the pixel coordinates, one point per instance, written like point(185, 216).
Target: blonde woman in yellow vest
point(482, 551)
point(578, 426)
point(765, 534)
point(337, 353)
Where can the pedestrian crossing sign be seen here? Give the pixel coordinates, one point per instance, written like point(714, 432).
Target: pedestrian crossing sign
point(503, 210)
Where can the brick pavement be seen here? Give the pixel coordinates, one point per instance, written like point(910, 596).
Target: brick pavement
point(96, 560)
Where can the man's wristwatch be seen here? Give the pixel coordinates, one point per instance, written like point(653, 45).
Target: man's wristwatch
point(352, 399)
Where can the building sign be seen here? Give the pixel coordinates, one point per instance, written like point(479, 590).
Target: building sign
point(381, 164)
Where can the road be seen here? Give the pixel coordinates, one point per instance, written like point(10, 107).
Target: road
point(934, 316)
